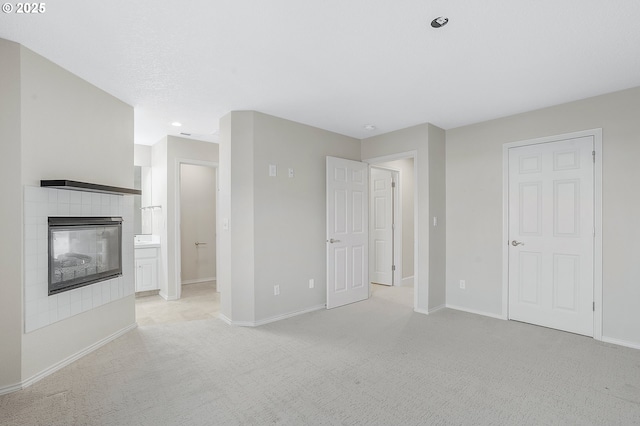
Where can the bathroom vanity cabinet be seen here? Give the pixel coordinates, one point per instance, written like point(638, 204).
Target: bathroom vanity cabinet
point(146, 264)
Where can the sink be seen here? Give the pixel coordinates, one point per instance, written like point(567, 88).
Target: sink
point(146, 241)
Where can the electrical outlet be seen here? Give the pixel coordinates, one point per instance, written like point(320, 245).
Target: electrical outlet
point(291, 172)
point(276, 290)
point(463, 284)
point(312, 283)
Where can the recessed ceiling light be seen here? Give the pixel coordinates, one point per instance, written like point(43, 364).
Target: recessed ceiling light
point(176, 124)
point(440, 21)
point(370, 127)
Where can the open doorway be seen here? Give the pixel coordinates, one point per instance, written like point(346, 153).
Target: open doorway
point(196, 257)
point(392, 230)
point(197, 232)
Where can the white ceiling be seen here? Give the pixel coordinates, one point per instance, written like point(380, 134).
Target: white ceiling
point(337, 64)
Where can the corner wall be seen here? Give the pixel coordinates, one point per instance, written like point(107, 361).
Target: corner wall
point(474, 204)
point(236, 263)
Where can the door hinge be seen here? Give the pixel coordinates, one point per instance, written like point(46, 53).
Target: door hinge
point(393, 267)
point(594, 306)
point(393, 226)
point(593, 153)
point(393, 184)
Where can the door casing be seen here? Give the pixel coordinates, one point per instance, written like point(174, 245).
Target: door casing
point(597, 267)
point(178, 252)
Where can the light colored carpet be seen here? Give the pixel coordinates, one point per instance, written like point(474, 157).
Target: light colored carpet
point(198, 301)
point(370, 363)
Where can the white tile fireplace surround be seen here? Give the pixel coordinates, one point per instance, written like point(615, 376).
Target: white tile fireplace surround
point(40, 309)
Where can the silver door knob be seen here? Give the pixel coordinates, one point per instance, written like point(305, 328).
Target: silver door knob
point(331, 240)
point(517, 243)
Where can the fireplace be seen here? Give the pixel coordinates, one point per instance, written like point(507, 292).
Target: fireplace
point(83, 251)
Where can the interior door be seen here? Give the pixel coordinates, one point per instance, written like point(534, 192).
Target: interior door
point(551, 234)
point(381, 229)
point(347, 232)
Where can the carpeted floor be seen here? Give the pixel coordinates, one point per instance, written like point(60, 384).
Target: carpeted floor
point(198, 301)
point(370, 363)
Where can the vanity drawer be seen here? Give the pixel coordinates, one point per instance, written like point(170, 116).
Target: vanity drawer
point(146, 253)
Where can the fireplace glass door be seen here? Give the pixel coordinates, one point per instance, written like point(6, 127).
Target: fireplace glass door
point(83, 251)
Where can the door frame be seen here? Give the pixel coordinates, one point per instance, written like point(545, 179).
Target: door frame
point(178, 249)
point(397, 220)
point(416, 223)
point(597, 255)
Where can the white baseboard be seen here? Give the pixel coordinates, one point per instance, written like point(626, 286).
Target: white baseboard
point(166, 297)
point(633, 345)
point(224, 318)
point(270, 319)
point(421, 311)
point(11, 388)
point(473, 311)
point(59, 365)
point(437, 308)
point(407, 282)
point(197, 281)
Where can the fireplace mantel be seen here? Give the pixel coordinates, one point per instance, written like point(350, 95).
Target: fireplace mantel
point(89, 187)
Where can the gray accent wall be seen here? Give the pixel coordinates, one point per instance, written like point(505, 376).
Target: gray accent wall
point(474, 204)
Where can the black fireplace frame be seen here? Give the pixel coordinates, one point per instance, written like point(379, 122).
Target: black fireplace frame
point(70, 223)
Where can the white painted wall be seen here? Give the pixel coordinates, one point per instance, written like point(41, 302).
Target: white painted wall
point(159, 198)
point(69, 129)
point(437, 208)
point(290, 213)
point(277, 230)
point(11, 213)
point(429, 294)
point(474, 204)
point(405, 167)
point(235, 274)
point(142, 155)
point(197, 222)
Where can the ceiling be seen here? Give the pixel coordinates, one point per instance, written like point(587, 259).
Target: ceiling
point(337, 64)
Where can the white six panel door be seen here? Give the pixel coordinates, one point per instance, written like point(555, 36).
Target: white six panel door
point(381, 229)
point(551, 234)
point(347, 232)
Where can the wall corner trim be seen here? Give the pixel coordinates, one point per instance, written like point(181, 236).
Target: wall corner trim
point(59, 365)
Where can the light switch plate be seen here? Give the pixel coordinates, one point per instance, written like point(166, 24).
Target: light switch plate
point(273, 170)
